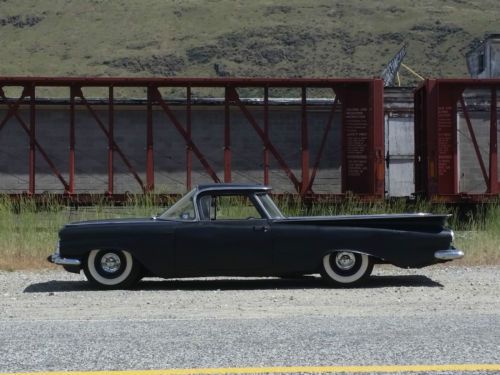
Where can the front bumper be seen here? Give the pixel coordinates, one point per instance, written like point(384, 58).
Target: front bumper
point(449, 254)
point(57, 259)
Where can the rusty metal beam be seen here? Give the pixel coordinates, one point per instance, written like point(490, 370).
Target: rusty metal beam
point(304, 139)
point(27, 129)
point(32, 137)
point(184, 134)
point(227, 138)
point(440, 98)
point(317, 161)
point(72, 141)
point(182, 82)
point(150, 171)
point(265, 139)
point(189, 161)
point(266, 135)
point(13, 108)
point(115, 146)
point(353, 88)
point(376, 119)
point(111, 122)
point(493, 182)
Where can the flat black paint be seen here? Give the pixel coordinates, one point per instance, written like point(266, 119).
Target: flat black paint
point(260, 247)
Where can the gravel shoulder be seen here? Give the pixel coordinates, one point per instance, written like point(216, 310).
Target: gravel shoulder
point(53, 321)
point(438, 290)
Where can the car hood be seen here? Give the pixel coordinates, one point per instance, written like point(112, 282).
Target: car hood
point(81, 229)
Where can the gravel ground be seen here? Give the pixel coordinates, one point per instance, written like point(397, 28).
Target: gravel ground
point(52, 320)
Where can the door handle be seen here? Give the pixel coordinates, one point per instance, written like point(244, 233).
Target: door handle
point(261, 228)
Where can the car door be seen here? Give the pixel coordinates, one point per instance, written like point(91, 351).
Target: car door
point(237, 241)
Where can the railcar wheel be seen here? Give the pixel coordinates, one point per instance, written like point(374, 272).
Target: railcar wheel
point(345, 268)
point(112, 269)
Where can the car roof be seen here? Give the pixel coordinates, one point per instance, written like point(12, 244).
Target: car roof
point(233, 187)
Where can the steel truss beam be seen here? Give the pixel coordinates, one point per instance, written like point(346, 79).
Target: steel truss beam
point(30, 131)
point(436, 162)
point(357, 94)
point(112, 144)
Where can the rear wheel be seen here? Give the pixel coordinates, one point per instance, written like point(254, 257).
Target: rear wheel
point(112, 269)
point(345, 268)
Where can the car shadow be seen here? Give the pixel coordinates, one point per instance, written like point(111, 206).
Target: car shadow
point(306, 282)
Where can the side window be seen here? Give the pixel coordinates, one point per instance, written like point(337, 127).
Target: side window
point(207, 207)
point(228, 207)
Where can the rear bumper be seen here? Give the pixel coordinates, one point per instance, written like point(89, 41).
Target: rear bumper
point(56, 259)
point(449, 254)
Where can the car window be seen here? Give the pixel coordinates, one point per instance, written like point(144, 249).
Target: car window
point(183, 210)
point(269, 206)
point(228, 207)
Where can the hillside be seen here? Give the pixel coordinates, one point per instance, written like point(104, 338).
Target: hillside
point(279, 38)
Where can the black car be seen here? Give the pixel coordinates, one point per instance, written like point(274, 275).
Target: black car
point(237, 230)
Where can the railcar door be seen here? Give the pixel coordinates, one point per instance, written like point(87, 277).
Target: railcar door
point(232, 238)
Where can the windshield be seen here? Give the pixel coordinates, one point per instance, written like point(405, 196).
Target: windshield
point(182, 210)
point(269, 206)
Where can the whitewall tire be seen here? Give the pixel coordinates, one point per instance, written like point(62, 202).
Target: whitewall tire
point(111, 269)
point(345, 268)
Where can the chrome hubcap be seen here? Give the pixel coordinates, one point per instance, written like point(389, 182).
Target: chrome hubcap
point(345, 260)
point(110, 262)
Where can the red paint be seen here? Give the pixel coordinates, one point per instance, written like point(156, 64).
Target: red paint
point(184, 134)
point(32, 136)
point(227, 139)
point(150, 173)
point(304, 151)
point(436, 162)
point(111, 120)
point(322, 145)
point(189, 157)
point(266, 135)
point(493, 182)
point(72, 141)
point(364, 94)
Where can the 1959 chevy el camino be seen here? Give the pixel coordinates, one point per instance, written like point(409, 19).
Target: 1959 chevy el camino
point(237, 230)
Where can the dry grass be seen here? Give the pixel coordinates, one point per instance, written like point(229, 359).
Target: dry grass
point(29, 233)
point(480, 239)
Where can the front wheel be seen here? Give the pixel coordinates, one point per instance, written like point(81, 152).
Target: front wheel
point(112, 269)
point(345, 268)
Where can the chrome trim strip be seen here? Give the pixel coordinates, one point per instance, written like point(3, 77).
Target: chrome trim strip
point(57, 259)
point(449, 254)
point(259, 203)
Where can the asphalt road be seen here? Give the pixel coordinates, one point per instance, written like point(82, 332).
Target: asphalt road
point(52, 321)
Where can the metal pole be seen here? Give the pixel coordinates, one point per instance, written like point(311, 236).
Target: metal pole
point(266, 134)
point(305, 144)
point(111, 120)
point(189, 156)
point(72, 141)
point(493, 183)
point(227, 139)
point(32, 161)
point(150, 178)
